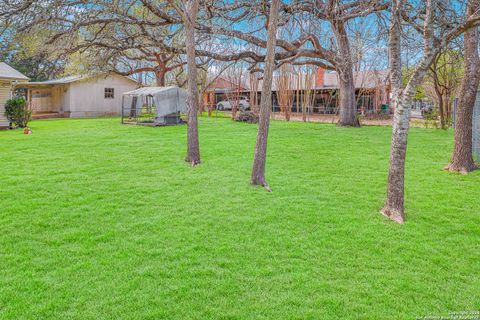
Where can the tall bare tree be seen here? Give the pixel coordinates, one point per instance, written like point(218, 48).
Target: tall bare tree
point(307, 43)
point(258, 171)
point(188, 12)
point(285, 85)
point(462, 159)
point(442, 82)
point(235, 75)
point(436, 31)
point(254, 82)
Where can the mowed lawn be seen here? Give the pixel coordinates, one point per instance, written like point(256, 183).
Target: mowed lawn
point(104, 221)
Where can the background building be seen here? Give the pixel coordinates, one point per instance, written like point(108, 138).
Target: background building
point(9, 77)
point(372, 90)
point(78, 96)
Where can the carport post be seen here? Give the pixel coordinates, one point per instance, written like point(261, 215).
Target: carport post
point(123, 99)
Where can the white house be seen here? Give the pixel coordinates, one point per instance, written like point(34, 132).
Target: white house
point(79, 96)
point(9, 77)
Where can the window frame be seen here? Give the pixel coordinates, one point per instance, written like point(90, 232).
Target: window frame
point(109, 93)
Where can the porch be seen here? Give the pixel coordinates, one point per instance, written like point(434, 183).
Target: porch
point(40, 115)
point(46, 100)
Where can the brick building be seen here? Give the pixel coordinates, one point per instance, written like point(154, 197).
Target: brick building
point(372, 91)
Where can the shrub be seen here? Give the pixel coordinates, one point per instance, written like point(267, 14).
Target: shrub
point(378, 116)
point(18, 112)
point(247, 116)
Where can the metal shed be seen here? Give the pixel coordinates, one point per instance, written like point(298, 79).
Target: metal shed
point(155, 106)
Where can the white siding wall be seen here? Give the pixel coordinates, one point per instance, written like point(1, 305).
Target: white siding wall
point(5, 94)
point(87, 98)
point(60, 99)
point(66, 98)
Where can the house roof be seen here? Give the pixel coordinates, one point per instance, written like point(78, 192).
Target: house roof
point(7, 72)
point(68, 79)
point(368, 79)
point(64, 80)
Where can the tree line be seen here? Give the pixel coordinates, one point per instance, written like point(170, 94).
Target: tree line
point(179, 37)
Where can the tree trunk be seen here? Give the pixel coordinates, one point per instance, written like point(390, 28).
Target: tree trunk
point(441, 110)
point(193, 149)
point(393, 208)
point(348, 104)
point(234, 110)
point(445, 103)
point(258, 171)
point(160, 78)
point(394, 205)
point(448, 109)
point(402, 100)
point(296, 96)
point(286, 111)
point(462, 159)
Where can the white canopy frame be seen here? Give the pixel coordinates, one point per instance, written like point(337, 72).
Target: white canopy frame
point(154, 106)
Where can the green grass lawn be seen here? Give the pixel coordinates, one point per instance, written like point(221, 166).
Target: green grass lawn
point(104, 221)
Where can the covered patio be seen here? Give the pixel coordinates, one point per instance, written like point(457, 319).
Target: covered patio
point(47, 100)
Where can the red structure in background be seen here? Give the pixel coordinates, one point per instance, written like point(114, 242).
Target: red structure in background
point(320, 78)
point(217, 91)
point(372, 91)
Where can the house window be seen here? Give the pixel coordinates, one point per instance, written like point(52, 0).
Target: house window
point(109, 93)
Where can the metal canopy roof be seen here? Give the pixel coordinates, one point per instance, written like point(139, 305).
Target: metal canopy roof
point(150, 91)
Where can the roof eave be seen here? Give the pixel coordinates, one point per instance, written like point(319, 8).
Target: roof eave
point(14, 79)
